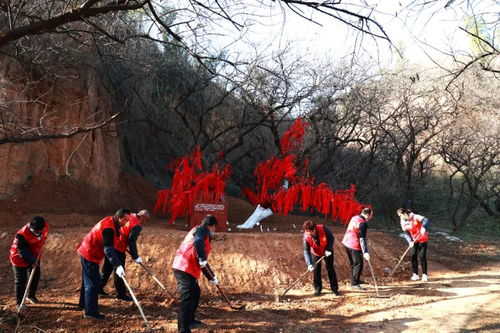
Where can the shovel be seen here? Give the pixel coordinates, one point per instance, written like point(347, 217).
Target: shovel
point(209, 275)
point(387, 269)
point(300, 278)
point(137, 303)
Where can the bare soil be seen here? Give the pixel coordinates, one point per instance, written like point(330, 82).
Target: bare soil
point(253, 266)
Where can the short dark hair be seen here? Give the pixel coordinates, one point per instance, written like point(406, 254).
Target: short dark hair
point(37, 223)
point(122, 212)
point(366, 211)
point(309, 225)
point(209, 220)
point(403, 211)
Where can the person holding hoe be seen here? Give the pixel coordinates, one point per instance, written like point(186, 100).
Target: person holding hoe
point(127, 239)
point(356, 246)
point(97, 244)
point(190, 260)
point(318, 243)
point(25, 253)
point(415, 232)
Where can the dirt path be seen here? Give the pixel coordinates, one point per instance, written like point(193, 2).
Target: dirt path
point(448, 302)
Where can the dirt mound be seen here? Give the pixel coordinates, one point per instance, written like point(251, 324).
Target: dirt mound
point(263, 260)
point(252, 266)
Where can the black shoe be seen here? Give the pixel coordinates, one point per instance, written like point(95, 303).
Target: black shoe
point(357, 286)
point(196, 323)
point(361, 282)
point(103, 293)
point(94, 316)
point(125, 298)
point(317, 293)
point(336, 293)
point(32, 299)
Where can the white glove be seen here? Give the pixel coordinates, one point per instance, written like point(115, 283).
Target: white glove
point(422, 230)
point(411, 244)
point(328, 253)
point(120, 271)
point(138, 260)
point(366, 255)
point(214, 281)
point(203, 263)
point(310, 268)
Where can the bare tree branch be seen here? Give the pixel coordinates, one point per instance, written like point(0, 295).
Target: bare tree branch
point(68, 134)
point(74, 15)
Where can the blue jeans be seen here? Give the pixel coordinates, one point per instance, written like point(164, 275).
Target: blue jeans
point(91, 282)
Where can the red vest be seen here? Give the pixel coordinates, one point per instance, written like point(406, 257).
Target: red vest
point(91, 247)
point(186, 259)
point(413, 226)
point(317, 250)
point(121, 244)
point(34, 244)
point(351, 237)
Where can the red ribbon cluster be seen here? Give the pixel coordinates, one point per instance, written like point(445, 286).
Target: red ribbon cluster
point(191, 183)
point(292, 139)
point(271, 175)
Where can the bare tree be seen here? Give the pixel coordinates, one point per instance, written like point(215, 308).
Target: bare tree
point(471, 149)
point(409, 122)
point(479, 23)
point(335, 115)
point(278, 92)
point(47, 35)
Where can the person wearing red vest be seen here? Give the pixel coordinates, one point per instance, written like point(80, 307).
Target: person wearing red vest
point(190, 260)
point(318, 242)
point(414, 227)
point(128, 239)
point(97, 244)
point(356, 246)
point(25, 253)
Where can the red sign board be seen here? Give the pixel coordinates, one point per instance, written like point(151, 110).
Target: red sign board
point(201, 208)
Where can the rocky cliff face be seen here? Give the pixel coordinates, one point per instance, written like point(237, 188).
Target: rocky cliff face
point(91, 160)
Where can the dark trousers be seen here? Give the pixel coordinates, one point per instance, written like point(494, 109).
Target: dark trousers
point(91, 282)
point(419, 251)
point(21, 276)
point(332, 276)
point(356, 260)
point(189, 292)
point(107, 269)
